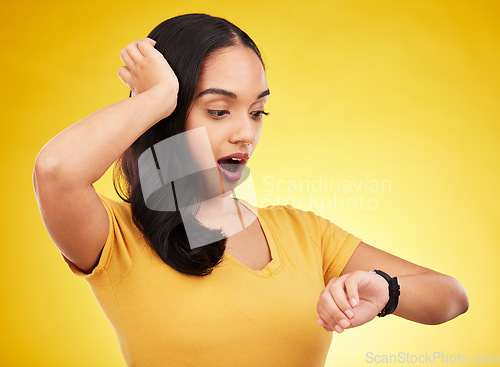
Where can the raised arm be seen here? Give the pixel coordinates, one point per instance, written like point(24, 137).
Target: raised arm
point(357, 296)
point(68, 165)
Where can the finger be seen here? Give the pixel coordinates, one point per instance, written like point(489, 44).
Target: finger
point(322, 322)
point(124, 75)
point(329, 325)
point(338, 292)
point(329, 311)
point(338, 329)
point(133, 51)
point(147, 47)
point(126, 58)
point(325, 320)
point(352, 286)
point(325, 315)
point(326, 306)
point(150, 40)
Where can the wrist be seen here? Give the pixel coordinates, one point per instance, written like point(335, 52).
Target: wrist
point(161, 101)
point(394, 292)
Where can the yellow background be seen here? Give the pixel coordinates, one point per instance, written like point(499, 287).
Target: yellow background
point(405, 91)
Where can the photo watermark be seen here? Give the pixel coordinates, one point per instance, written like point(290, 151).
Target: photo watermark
point(180, 174)
point(430, 358)
point(335, 193)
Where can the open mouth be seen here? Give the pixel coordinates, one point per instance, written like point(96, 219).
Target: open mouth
point(231, 164)
point(231, 168)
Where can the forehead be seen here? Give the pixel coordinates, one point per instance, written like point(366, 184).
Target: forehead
point(235, 68)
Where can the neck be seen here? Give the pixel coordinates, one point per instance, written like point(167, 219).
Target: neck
point(224, 213)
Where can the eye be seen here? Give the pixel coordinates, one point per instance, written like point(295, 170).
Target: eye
point(258, 114)
point(217, 114)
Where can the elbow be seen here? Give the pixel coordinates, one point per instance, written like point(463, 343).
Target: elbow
point(45, 165)
point(457, 301)
point(462, 298)
point(47, 173)
point(48, 169)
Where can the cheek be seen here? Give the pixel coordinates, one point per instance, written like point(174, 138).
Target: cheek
point(196, 118)
point(216, 138)
point(191, 122)
point(216, 131)
point(201, 147)
point(258, 134)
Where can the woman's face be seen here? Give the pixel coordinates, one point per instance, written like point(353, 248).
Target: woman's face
point(229, 103)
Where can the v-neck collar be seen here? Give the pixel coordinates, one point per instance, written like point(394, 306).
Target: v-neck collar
point(274, 266)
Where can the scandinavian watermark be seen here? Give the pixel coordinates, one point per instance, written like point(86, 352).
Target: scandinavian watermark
point(181, 174)
point(335, 193)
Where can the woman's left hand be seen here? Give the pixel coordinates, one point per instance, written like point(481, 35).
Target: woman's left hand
point(351, 300)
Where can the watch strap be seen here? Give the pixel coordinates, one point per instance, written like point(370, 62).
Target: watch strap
point(394, 292)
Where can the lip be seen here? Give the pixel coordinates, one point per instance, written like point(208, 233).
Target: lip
point(236, 175)
point(243, 156)
point(232, 176)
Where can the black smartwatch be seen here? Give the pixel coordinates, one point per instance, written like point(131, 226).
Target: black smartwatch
point(394, 293)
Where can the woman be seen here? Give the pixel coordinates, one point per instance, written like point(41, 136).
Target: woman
point(180, 281)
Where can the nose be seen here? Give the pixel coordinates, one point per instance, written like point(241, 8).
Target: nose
point(244, 131)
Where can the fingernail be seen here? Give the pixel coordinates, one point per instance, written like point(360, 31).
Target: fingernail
point(349, 314)
point(344, 323)
point(338, 329)
point(354, 302)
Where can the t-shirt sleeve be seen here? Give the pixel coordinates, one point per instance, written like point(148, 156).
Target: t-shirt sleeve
point(118, 254)
point(337, 247)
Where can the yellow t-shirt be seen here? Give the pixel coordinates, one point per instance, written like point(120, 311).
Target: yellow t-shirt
point(235, 316)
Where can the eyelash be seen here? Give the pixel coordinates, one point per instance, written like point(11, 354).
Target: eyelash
point(213, 113)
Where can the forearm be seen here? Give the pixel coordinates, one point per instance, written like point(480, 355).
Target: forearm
point(431, 298)
point(83, 152)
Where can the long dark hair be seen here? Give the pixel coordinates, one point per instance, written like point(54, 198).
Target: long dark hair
point(185, 41)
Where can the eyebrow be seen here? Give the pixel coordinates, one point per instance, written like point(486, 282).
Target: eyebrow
point(228, 93)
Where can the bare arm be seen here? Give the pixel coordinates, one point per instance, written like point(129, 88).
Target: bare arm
point(73, 160)
point(427, 297)
point(83, 152)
